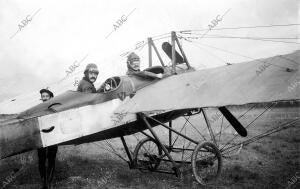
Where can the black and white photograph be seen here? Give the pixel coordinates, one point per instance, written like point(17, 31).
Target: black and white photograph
point(140, 94)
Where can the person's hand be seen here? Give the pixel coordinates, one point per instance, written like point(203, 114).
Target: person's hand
point(159, 75)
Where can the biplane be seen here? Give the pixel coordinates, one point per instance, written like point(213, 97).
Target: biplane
point(125, 105)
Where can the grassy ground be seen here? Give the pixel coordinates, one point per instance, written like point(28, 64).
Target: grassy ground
point(272, 162)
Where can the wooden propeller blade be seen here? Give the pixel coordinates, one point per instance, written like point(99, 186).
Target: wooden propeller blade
point(233, 121)
point(167, 47)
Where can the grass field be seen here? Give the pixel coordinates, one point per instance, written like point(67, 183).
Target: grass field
point(272, 162)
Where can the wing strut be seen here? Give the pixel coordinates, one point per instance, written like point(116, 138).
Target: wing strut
point(150, 45)
point(170, 50)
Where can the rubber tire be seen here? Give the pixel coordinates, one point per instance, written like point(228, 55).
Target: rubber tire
point(139, 145)
point(193, 160)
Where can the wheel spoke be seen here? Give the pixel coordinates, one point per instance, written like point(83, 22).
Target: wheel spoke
point(206, 165)
point(220, 132)
point(147, 153)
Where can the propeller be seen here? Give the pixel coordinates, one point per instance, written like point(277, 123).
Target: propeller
point(233, 121)
point(167, 47)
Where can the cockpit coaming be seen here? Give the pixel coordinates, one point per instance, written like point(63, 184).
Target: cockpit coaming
point(113, 87)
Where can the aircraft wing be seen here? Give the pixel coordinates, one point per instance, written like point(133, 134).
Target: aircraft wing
point(236, 84)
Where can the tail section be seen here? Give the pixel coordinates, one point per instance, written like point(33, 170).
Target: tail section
point(17, 136)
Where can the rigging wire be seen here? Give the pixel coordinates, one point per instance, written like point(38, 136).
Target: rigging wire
point(242, 27)
point(247, 38)
point(165, 35)
point(202, 35)
point(251, 37)
point(112, 150)
point(234, 53)
point(242, 115)
point(284, 126)
point(217, 57)
point(180, 131)
point(268, 108)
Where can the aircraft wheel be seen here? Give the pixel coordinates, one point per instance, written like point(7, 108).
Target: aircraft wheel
point(147, 153)
point(206, 163)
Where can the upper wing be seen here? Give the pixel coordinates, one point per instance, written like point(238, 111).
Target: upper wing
point(237, 84)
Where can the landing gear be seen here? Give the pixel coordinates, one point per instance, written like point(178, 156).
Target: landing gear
point(147, 154)
point(206, 163)
point(203, 158)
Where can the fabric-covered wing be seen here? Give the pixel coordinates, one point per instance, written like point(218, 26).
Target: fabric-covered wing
point(237, 84)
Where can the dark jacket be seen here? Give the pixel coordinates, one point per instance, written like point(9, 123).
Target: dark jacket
point(86, 86)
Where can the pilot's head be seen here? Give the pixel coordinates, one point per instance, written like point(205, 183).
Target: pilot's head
point(46, 94)
point(91, 72)
point(133, 62)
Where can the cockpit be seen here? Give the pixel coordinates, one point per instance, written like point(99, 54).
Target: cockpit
point(114, 83)
point(110, 84)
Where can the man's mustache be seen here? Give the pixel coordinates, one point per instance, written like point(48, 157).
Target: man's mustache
point(92, 78)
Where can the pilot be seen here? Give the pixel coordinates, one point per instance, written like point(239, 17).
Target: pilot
point(90, 76)
point(49, 153)
point(133, 67)
point(133, 63)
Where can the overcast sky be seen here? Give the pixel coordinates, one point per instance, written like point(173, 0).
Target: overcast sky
point(61, 32)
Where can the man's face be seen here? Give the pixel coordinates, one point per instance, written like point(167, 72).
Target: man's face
point(92, 75)
point(45, 97)
point(135, 65)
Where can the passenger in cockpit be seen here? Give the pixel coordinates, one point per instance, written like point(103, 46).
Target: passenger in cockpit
point(133, 67)
point(90, 76)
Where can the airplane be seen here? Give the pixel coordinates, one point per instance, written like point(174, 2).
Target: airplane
point(125, 105)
